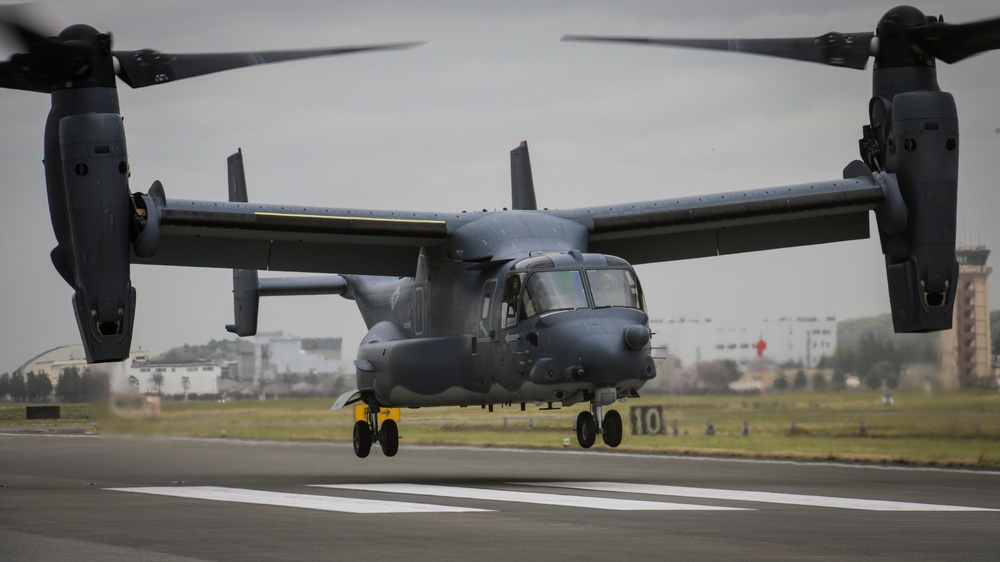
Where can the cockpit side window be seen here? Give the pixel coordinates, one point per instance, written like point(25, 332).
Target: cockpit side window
point(615, 287)
point(511, 299)
point(545, 291)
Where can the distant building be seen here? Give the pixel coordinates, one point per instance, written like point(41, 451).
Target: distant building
point(966, 360)
point(54, 361)
point(291, 361)
point(133, 375)
point(802, 340)
point(280, 364)
point(136, 374)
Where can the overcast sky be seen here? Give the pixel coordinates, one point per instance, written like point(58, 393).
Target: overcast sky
point(431, 129)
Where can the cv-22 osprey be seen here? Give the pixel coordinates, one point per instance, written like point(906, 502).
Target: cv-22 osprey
point(492, 308)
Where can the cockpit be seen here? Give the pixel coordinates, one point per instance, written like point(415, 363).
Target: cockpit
point(545, 284)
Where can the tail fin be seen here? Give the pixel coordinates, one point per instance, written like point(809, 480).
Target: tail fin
point(237, 178)
point(248, 287)
point(246, 298)
point(522, 186)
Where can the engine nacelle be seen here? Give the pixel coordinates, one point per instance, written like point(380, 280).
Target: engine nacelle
point(99, 209)
point(921, 149)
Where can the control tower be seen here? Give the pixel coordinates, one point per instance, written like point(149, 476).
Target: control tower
point(966, 360)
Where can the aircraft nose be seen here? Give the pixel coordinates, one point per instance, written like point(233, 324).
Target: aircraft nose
point(596, 349)
point(606, 358)
point(636, 336)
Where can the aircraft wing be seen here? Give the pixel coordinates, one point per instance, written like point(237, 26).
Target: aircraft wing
point(734, 222)
point(242, 235)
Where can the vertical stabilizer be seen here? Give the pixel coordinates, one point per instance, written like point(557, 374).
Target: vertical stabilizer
point(237, 178)
point(246, 285)
point(522, 187)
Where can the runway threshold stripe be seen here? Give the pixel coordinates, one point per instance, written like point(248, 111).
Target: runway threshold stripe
point(304, 501)
point(763, 497)
point(561, 500)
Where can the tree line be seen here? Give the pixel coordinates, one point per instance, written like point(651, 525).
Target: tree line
point(801, 381)
point(881, 361)
point(72, 386)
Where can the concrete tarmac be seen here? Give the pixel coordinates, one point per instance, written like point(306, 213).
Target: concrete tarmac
point(83, 497)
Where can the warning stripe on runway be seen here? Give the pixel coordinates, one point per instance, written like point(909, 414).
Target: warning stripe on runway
point(747, 496)
point(304, 501)
point(561, 500)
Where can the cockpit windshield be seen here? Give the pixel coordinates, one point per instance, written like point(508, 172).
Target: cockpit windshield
point(614, 287)
point(530, 293)
point(546, 291)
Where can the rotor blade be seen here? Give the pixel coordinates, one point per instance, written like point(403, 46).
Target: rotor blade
point(954, 42)
point(44, 59)
point(12, 78)
point(837, 49)
point(21, 24)
point(148, 67)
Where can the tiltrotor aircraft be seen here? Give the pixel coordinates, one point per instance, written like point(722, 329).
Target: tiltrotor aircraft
point(504, 307)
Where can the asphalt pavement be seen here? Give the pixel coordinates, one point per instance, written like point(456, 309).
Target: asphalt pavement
point(97, 497)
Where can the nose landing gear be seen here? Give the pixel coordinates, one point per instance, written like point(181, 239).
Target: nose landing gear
point(612, 434)
point(593, 423)
point(368, 432)
point(586, 430)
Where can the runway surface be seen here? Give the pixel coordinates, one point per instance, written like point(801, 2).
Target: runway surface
point(104, 498)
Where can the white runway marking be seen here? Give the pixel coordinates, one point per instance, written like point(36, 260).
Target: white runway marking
point(363, 506)
point(763, 497)
point(527, 497)
point(304, 501)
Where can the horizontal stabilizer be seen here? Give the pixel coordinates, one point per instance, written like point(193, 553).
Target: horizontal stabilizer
point(248, 288)
point(314, 285)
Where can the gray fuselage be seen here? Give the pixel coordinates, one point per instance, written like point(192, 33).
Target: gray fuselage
point(541, 327)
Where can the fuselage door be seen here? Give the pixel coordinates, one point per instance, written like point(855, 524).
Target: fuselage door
point(486, 331)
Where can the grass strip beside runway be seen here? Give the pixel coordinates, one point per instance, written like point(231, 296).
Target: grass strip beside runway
point(954, 428)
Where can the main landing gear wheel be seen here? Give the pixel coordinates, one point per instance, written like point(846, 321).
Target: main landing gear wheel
point(362, 439)
point(369, 432)
point(612, 433)
point(586, 430)
point(389, 438)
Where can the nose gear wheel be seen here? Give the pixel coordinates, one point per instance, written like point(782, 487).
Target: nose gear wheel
point(586, 430)
point(595, 422)
point(612, 434)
